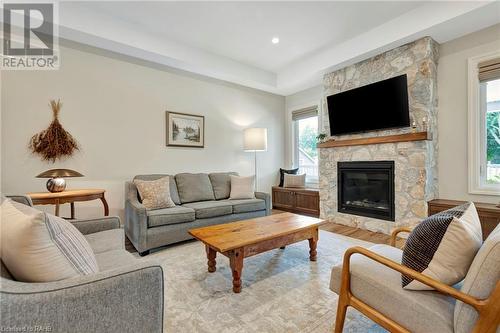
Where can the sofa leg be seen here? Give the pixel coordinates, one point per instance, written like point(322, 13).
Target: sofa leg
point(144, 253)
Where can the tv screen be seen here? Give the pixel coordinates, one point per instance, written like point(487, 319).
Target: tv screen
point(380, 105)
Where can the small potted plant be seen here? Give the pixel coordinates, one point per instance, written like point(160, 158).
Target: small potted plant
point(321, 137)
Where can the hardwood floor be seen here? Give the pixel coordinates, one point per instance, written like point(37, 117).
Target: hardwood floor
point(369, 236)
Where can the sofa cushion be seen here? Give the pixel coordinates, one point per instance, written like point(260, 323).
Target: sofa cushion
point(39, 247)
point(380, 287)
point(113, 259)
point(194, 187)
point(206, 209)
point(481, 279)
point(221, 183)
point(173, 186)
point(107, 240)
point(246, 205)
point(173, 215)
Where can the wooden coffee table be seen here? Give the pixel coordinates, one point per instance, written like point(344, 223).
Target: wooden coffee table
point(239, 240)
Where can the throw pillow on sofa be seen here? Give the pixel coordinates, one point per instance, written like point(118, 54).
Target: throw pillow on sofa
point(285, 171)
point(155, 194)
point(39, 247)
point(443, 246)
point(242, 187)
point(297, 181)
point(194, 187)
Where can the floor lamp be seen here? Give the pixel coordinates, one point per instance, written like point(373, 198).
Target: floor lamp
point(254, 140)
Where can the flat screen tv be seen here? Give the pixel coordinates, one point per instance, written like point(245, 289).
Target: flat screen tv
point(377, 106)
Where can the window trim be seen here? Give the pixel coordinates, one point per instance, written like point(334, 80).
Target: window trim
point(313, 183)
point(476, 149)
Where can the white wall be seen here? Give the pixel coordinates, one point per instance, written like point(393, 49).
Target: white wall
point(452, 114)
point(299, 100)
point(115, 108)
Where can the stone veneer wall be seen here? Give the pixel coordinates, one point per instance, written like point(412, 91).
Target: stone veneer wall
point(415, 162)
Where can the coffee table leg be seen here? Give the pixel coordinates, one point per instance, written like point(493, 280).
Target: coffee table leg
point(211, 254)
point(236, 263)
point(313, 242)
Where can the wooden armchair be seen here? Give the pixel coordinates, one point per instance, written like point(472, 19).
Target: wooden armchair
point(369, 280)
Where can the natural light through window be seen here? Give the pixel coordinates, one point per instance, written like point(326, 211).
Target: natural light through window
point(306, 152)
point(492, 162)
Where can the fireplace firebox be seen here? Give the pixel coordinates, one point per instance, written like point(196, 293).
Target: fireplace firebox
point(366, 189)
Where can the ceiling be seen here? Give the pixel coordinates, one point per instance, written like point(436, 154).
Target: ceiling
point(231, 41)
point(243, 30)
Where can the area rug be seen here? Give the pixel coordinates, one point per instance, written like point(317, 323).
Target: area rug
point(282, 290)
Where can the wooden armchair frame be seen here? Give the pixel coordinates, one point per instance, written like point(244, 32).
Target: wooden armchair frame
point(488, 309)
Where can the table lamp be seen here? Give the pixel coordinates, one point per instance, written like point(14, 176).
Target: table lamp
point(254, 140)
point(56, 182)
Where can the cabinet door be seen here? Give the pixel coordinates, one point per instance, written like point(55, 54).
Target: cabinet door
point(307, 202)
point(283, 199)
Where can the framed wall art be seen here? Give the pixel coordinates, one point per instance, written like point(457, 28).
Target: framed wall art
point(185, 130)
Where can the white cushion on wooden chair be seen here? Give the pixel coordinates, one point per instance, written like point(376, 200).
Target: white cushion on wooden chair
point(380, 287)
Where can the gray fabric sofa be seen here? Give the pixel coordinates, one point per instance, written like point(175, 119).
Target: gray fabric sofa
point(201, 200)
point(125, 296)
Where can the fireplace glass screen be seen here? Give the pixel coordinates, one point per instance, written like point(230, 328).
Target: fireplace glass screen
point(366, 189)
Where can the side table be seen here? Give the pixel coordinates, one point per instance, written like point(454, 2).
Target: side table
point(69, 196)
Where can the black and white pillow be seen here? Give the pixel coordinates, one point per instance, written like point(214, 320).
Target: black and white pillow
point(282, 174)
point(443, 246)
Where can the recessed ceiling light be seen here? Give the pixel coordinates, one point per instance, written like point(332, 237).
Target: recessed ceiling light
point(275, 40)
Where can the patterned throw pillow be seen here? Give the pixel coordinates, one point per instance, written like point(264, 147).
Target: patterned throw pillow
point(155, 194)
point(443, 246)
point(283, 172)
point(39, 247)
point(297, 181)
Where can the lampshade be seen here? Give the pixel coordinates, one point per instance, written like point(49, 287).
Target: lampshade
point(59, 173)
point(255, 139)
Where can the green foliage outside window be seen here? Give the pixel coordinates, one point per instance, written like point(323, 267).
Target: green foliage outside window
point(307, 140)
point(493, 138)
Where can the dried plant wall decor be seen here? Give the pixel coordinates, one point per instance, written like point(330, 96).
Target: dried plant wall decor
point(54, 142)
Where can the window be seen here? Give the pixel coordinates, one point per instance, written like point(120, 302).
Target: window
point(305, 122)
point(490, 97)
point(484, 125)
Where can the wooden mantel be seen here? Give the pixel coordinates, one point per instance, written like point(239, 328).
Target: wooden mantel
point(418, 136)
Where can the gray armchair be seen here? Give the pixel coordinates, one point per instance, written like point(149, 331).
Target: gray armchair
point(125, 296)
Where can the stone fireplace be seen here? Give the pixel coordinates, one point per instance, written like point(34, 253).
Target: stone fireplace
point(414, 163)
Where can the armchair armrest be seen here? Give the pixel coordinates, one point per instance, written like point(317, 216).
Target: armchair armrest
point(90, 226)
point(24, 199)
point(488, 309)
point(136, 219)
point(101, 302)
point(267, 198)
point(395, 233)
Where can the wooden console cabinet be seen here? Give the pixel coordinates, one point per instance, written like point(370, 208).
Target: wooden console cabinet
point(489, 214)
point(300, 201)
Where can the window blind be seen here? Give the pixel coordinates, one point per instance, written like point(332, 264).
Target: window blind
point(304, 113)
point(489, 70)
